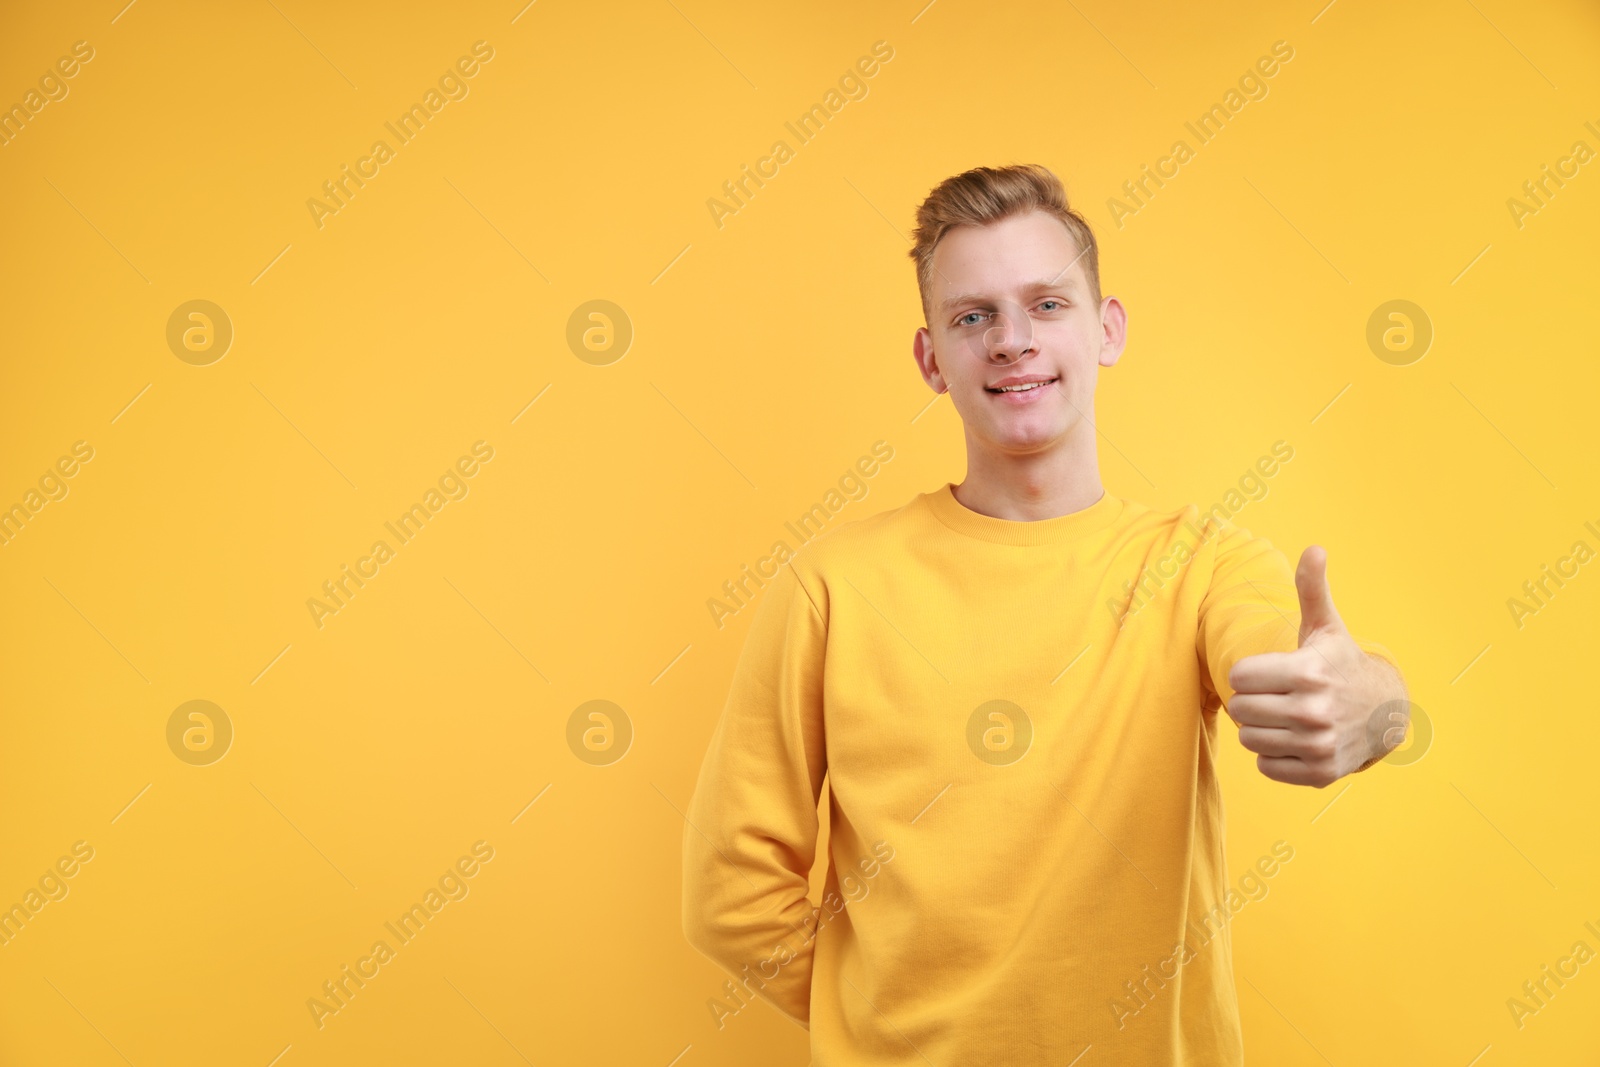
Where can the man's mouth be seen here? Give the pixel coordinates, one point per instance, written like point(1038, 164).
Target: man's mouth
point(1033, 382)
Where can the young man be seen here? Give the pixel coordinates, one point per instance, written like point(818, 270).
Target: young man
point(1012, 685)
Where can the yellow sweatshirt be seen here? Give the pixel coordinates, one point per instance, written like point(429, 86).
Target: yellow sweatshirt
point(1018, 721)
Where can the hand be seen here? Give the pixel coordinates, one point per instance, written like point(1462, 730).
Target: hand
point(1305, 713)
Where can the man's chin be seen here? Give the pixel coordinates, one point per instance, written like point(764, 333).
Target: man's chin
point(1027, 434)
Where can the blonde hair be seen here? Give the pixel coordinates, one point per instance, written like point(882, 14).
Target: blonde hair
point(988, 194)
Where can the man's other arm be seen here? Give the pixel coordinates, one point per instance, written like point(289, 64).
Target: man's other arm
point(1311, 700)
point(750, 835)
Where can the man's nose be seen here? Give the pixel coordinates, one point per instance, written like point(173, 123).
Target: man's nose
point(1009, 335)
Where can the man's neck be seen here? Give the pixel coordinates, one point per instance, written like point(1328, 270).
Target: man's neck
point(1044, 485)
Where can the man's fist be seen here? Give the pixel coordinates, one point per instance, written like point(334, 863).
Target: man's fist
point(1305, 712)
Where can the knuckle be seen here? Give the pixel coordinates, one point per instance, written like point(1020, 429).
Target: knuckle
point(1321, 765)
point(1316, 712)
point(1314, 673)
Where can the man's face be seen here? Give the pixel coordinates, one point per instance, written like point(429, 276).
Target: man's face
point(1011, 300)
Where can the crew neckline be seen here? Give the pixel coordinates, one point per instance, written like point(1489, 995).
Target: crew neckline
point(1053, 531)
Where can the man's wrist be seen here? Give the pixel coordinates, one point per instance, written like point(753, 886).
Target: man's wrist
point(1396, 681)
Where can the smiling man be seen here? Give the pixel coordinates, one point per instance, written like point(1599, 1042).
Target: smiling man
point(1041, 772)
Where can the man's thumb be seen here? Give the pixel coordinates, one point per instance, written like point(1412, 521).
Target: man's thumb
point(1317, 612)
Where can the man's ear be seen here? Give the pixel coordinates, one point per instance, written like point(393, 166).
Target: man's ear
point(1114, 330)
point(927, 362)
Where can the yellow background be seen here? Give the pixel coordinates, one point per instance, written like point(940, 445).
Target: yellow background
point(768, 354)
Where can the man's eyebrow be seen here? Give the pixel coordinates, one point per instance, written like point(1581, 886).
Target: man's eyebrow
point(1043, 283)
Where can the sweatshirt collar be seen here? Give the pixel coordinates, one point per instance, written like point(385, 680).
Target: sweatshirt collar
point(1061, 529)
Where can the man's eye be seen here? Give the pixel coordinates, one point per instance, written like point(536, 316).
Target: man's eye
point(973, 315)
point(1055, 302)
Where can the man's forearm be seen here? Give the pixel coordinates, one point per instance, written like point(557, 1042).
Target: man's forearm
point(769, 954)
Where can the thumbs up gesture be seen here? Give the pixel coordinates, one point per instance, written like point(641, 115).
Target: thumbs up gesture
point(1305, 713)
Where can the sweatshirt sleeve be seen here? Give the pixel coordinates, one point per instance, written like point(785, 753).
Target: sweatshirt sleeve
point(1252, 606)
point(750, 835)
